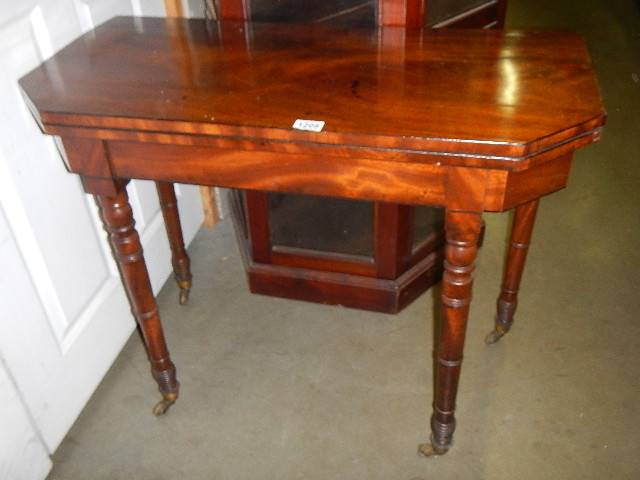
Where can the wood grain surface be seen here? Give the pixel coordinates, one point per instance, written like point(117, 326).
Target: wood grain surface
point(456, 92)
point(471, 120)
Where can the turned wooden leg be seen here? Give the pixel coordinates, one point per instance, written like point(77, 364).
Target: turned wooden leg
point(179, 257)
point(118, 220)
point(523, 221)
point(462, 234)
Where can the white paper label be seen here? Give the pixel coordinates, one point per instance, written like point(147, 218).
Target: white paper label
point(308, 125)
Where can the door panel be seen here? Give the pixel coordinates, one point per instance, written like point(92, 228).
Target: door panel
point(144, 201)
point(64, 312)
point(95, 12)
point(45, 233)
point(24, 457)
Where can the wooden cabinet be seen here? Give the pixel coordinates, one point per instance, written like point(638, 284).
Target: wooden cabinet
point(352, 253)
point(358, 254)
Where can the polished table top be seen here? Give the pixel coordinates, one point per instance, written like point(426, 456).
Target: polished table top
point(483, 93)
point(473, 121)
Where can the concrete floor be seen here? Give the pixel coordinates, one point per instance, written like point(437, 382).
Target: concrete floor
point(278, 389)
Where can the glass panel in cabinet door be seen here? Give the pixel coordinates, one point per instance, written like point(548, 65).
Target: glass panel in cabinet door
point(353, 13)
point(321, 223)
point(440, 10)
point(428, 221)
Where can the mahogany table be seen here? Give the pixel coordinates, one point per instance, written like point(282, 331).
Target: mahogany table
point(473, 121)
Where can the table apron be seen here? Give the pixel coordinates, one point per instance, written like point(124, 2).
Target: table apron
point(365, 179)
point(461, 188)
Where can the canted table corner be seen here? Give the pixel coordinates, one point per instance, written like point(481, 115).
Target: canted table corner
point(474, 121)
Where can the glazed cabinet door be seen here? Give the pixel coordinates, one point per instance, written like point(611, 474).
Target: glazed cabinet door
point(465, 13)
point(64, 315)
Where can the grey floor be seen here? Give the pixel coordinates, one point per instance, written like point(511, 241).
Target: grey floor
point(278, 389)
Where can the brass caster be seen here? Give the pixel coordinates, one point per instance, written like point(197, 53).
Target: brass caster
point(184, 296)
point(493, 336)
point(163, 405)
point(185, 288)
point(430, 450)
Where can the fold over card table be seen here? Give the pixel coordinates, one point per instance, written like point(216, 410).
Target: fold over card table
point(473, 121)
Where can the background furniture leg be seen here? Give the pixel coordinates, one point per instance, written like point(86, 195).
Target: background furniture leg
point(209, 206)
point(523, 221)
point(118, 221)
point(462, 233)
point(179, 257)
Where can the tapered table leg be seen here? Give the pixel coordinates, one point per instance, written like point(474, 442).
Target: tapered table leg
point(521, 230)
point(125, 242)
point(179, 257)
point(462, 233)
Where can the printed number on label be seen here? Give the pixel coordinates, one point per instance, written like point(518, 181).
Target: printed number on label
point(308, 125)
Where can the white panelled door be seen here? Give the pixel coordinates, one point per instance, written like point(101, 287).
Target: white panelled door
point(64, 315)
